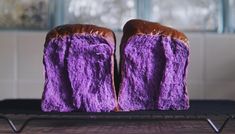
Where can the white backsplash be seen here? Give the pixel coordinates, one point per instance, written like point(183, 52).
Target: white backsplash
point(211, 73)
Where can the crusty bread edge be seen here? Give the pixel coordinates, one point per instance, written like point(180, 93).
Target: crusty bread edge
point(70, 29)
point(137, 26)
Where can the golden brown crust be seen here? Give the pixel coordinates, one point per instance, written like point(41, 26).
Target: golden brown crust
point(137, 26)
point(69, 29)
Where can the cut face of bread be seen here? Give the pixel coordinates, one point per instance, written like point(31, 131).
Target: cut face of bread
point(79, 69)
point(89, 68)
point(153, 67)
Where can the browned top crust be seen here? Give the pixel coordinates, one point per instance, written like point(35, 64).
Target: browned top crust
point(137, 26)
point(70, 29)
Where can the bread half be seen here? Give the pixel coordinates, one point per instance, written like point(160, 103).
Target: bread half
point(154, 60)
point(79, 69)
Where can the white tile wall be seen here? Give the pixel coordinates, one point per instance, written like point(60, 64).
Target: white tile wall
point(7, 89)
point(30, 89)
point(196, 59)
point(21, 69)
point(8, 49)
point(196, 90)
point(211, 73)
point(30, 53)
point(220, 66)
point(220, 90)
point(220, 58)
point(195, 75)
point(30, 67)
point(8, 65)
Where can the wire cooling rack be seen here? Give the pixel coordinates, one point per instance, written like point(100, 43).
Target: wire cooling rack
point(200, 110)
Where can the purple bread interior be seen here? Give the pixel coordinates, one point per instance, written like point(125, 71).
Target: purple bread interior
point(78, 75)
point(153, 74)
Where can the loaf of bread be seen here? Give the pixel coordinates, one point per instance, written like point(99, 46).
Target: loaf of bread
point(154, 61)
point(79, 69)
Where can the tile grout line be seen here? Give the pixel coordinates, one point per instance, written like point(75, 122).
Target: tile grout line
point(204, 79)
point(16, 66)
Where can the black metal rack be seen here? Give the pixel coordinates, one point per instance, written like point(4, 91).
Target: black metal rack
point(200, 110)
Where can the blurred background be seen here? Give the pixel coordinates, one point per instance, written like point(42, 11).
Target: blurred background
point(209, 25)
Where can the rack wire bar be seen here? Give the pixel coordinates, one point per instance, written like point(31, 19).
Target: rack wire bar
point(219, 129)
point(199, 111)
